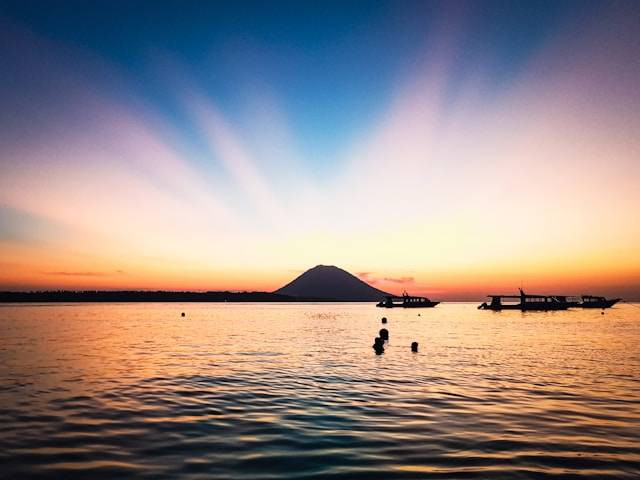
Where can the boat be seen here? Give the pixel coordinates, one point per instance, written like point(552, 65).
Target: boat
point(406, 301)
point(592, 301)
point(526, 302)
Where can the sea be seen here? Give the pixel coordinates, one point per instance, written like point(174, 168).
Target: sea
point(295, 391)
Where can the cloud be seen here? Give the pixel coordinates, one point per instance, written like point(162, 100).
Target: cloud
point(400, 280)
point(366, 277)
point(369, 278)
point(84, 274)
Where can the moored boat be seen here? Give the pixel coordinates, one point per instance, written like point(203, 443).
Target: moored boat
point(526, 302)
point(406, 301)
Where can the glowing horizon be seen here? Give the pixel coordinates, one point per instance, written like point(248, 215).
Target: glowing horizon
point(444, 151)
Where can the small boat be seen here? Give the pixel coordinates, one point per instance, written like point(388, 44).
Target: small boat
point(592, 301)
point(526, 302)
point(406, 301)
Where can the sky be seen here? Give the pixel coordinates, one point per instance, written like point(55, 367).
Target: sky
point(450, 149)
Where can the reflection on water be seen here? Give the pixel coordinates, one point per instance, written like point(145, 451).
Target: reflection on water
point(295, 391)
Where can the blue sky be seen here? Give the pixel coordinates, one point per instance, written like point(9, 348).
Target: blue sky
point(333, 66)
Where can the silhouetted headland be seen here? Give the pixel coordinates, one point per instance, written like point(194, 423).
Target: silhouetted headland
point(319, 284)
point(148, 296)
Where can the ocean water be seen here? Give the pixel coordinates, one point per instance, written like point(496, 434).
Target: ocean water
point(269, 391)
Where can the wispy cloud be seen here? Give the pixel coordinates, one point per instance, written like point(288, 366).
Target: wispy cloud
point(402, 280)
point(369, 277)
point(84, 274)
point(366, 277)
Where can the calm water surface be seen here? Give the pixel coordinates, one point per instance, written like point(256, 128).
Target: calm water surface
point(266, 391)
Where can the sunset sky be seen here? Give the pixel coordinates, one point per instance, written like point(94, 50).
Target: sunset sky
point(449, 149)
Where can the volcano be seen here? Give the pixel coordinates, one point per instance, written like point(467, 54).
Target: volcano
point(331, 283)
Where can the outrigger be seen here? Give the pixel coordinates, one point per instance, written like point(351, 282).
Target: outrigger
point(406, 301)
point(527, 302)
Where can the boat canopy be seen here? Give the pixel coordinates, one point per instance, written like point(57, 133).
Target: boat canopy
point(526, 295)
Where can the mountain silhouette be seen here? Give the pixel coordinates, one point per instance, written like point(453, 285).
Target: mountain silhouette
point(329, 282)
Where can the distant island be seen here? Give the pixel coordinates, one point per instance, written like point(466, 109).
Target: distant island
point(319, 284)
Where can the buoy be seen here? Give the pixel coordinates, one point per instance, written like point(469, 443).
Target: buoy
point(384, 334)
point(384, 319)
point(182, 314)
point(414, 346)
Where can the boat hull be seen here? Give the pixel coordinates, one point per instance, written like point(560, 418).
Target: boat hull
point(600, 304)
point(400, 305)
point(524, 308)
